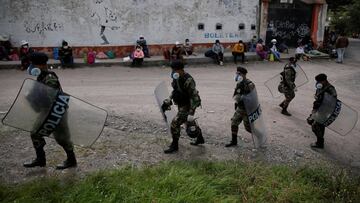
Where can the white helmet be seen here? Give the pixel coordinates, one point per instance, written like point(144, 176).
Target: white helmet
point(177, 43)
point(273, 41)
point(24, 42)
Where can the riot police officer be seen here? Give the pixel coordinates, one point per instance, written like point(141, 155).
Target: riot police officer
point(186, 97)
point(322, 86)
point(38, 67)
point(243, 86)
point(287, 85)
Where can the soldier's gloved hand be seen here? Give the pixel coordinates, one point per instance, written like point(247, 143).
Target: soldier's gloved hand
point(309, 120)
point(190, 118)
point(166, 106)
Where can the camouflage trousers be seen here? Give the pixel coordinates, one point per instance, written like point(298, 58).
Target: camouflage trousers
point(319, 131)
point(179, 119)
point(289, 96)
point(239, 116)
point(61, 136)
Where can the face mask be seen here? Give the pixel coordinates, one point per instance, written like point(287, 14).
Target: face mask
point(26, 46)
point(175, 75)
point(319, 85)
point(238, 78)
point(65, 47)
point(138, 49)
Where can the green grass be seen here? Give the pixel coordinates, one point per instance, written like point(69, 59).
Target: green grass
point(193, 182)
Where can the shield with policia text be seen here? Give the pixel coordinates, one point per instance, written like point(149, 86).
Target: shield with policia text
point(273, 83)
point(41, 109)
point(335, 115)
point(161, 93)
point(256, 118)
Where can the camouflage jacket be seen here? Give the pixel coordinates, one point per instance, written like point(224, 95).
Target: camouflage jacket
point(289, 75)
point(242, 88)
point(185, 93)
point(49, 78)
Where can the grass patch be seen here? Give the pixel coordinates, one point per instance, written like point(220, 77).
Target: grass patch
point(196, 181)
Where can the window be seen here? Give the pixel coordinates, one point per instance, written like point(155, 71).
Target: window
point(201, 26)
point(218, 26)
point(241, 26)
point(253, 27)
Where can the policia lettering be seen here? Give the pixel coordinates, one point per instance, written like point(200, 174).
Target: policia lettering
point(255, 115)
point(55, 115)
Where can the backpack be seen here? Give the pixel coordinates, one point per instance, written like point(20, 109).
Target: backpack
point(91, 57)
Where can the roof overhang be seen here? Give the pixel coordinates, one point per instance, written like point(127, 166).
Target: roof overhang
point(314, 1)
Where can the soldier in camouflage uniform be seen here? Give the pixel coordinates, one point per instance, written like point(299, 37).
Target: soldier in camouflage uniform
point(243, 86)
point(187, 98)
point(322, 86)
point(287, 85)
point(49, 78)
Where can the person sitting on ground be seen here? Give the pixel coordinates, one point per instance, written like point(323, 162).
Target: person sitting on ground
point(239, 50)
point(260, 50)
point(300, 53)
point(308, 46)
point(25, 53)
point(66, 54)
point(138, 56)
point(274, 50)
point(218, 51)
point(283, 48)
point(252, 46)
point(177, 51)
point(188, 48)
point(5, 48)
point(142, 42)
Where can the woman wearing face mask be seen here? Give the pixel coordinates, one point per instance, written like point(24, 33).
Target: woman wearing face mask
point(66, 55)
point(243, 86)
point(322, 86)
point(186, 97)
point(138, 56)
point(25, 52)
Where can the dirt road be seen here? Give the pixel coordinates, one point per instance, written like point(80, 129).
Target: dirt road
point(136, 135)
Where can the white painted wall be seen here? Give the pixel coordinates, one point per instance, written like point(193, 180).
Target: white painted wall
point(48, 22)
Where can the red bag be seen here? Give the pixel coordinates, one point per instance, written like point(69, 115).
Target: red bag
point(91, 57)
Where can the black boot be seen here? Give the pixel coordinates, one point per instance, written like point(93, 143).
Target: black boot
point(316, 146)
point(69, 162)
point(199, 140)
point(285, 112)
point(39, 161)
point(233, 141)
point(174, 147)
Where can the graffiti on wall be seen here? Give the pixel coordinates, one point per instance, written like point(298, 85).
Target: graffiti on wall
point(106, 17)
point(40, 27)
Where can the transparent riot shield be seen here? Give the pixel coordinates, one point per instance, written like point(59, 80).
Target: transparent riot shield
point(256, 118)
point(161, 93)
point(37, 109)
point(336, 115)
point(273, 83)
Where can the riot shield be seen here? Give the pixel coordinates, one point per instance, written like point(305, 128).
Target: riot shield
point(336, 115)
point(161, 93)
point(273, 83)
point(256, 118)
point(42, 109)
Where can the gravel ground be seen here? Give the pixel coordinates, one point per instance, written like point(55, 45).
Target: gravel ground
point(136, 135)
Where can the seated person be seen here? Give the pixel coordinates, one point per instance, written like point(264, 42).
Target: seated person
point(177, 52)
point(66, 55)
point(188, 48)
point(283, 48)
point(25, 53)
point(274, 50)
point(300, 53)
point(239, 50)
point(138, 56)
point(308, 46)
point(218, 52)
point(260, 50)
point(142, 42)
point(5, 48)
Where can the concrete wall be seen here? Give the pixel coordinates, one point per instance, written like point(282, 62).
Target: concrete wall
point(46, 23)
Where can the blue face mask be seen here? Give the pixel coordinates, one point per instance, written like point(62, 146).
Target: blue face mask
point(33, 70)
point(238, 78)
point(319, 85)
point(175, 75)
